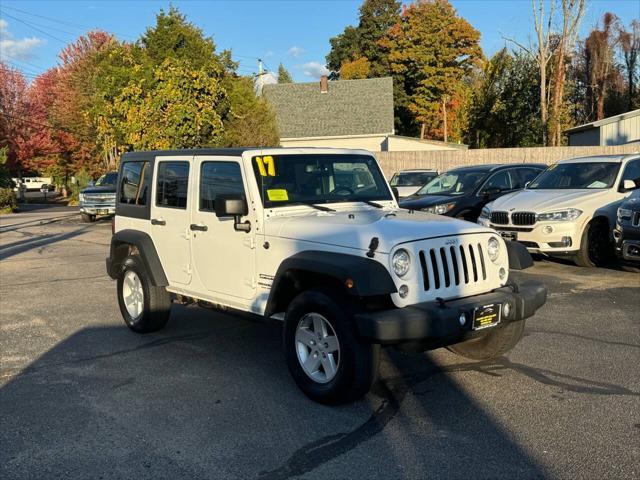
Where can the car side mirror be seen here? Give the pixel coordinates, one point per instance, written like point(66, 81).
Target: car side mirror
point(233, 206)
point(527, 184)
point(628, 185)
point(487, 192)
point(396, 193)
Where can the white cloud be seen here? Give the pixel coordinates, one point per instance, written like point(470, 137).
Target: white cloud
point(315, 69)
point(295, 52)
point(16, 49)
point(269, 54)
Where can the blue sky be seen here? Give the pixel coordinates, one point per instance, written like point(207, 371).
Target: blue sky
point(294, 32)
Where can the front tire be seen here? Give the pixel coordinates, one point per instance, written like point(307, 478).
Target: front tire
point(144, 307)
point(86, 218)
point(326, 358)
point(493, 344)
point(595, 247)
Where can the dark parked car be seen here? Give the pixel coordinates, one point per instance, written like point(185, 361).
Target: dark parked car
point(462, 192)
point(100, 198)
point(627, 231)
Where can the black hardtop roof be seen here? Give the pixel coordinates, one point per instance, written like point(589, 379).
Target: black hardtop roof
point(492, 167)
point(231, 152)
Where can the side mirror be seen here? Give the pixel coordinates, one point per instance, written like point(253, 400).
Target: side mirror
point(233, 206)
point(396, 194)
point(527, 184)
point(628, 185)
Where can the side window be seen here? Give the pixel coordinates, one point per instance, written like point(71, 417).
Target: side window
point(501, 180)
point(632, 172)
point(218, 178)
point(526, 175)
point(171, 184)
point(134, 183)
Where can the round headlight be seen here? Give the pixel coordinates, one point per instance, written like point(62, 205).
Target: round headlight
point(401, 262)
point(493, 249)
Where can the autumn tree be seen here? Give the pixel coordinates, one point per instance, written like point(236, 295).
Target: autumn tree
point(283, 75)
point(431, 52)
point(600, 62)
point(375, 19)
point(250, 121)
point(629, 41)
point(358, 68)
point(14, 113)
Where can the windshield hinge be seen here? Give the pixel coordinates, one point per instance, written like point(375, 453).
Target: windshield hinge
point(373, 246)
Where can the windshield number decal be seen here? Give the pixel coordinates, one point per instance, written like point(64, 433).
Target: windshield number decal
point(277, 195)
point(266, 166)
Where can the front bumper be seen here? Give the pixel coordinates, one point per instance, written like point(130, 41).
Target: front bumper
point(560, 238)
point(433, 324)
point(627, 242)
point(98, 209)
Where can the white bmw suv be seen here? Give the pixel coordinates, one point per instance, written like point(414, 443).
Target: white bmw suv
point(569, 210)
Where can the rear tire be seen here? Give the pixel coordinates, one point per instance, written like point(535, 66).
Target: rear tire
point(320, 331)
point(595, 246)
point(86, 218)
point(145, 308)
point(493, 344)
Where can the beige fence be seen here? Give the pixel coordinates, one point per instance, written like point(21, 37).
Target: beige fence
point(444, 160)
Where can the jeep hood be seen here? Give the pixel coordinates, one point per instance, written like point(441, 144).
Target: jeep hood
point(356, 228)
point(547, 200)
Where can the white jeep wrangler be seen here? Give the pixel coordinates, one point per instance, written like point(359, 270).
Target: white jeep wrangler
point(315, 238)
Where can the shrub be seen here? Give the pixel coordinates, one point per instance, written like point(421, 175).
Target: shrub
point(7, 200)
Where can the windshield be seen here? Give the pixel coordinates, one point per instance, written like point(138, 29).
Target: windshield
point(107, 179)
point(299, 179)
point(453, 183)
point(577, 175)
point(412, 179)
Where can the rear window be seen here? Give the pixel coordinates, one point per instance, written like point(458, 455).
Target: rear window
point(172, 182)
point(134, 183)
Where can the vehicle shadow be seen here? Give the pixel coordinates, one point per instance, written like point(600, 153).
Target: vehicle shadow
point(210, 397)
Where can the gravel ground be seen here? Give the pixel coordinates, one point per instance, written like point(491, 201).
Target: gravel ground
point(82, 397)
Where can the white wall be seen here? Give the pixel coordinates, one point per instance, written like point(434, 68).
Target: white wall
point(404, 144)
point(622, 132)
point(372, 143)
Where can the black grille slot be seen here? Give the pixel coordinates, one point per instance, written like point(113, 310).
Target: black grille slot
point(523, 218)
point(500, 218)
point(425, 270)
point(454, 261)
point(481, 255)
point(445, 267)
point(473, 263)
point(434, 265)
point(636, 219)
point(464, 264)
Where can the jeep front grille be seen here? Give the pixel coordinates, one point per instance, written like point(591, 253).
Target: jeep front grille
point(499, 218)
point(452, 265)
point(523, 218)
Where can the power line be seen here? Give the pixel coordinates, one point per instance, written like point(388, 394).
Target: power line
point(65, 42)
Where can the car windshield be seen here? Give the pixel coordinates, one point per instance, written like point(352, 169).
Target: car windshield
point(453, 183)
point(412, 179)
point(313, 179)
point(107, 179)
point(577, 175)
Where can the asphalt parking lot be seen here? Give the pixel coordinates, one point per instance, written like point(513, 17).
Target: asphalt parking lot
point(210, 397)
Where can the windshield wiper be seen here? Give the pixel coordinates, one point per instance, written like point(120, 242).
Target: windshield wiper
point(318, 207)
point(373, 204)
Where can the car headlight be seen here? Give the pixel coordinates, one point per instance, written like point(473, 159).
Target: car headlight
point(560, 215)
point(401, 262)
point(485, 213)
point(624, 213)
point(493, 249)
point(81, 197)
point(440, 209)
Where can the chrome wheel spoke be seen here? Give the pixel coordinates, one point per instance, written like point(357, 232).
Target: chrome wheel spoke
point(329, 365)
point(331, 344)
point(318, 347)
point(304, 335)
point(312, 363)
point(132, 294)
point(319, 326)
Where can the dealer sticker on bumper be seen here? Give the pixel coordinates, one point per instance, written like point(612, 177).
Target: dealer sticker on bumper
point(486, 316)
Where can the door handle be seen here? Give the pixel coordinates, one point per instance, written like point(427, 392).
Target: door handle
point(157, 221)
point(200, 228)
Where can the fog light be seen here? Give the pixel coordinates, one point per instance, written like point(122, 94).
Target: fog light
point(506, 309)
point(403, 291)
point(462, 319)
point(548, 229)
point(502, 273)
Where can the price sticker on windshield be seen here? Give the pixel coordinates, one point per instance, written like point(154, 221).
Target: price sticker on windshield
point(277, 195)
point(266, 166)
